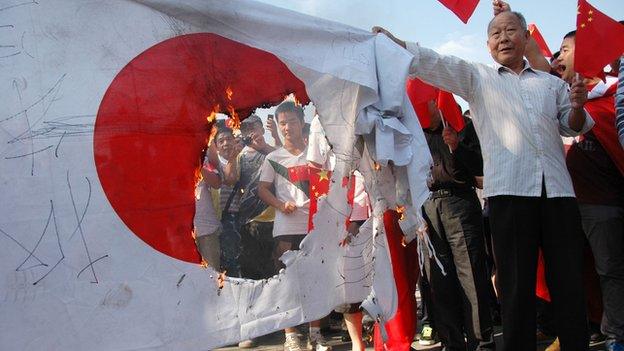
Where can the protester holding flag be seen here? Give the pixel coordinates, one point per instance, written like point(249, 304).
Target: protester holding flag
point(596, 164)
point(460, 286)
point(519, 114)
point(286, 169)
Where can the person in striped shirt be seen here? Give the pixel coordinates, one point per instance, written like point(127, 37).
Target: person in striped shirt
point(520, 114)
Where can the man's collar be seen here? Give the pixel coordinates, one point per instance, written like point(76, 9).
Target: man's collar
point(500, 68)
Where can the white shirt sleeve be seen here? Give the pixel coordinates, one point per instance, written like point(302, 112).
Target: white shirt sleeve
point(267, 173)
point(449, 73)
point(564, 108)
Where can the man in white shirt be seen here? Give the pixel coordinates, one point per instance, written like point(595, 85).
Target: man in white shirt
point(519, 114)
point(286, 169)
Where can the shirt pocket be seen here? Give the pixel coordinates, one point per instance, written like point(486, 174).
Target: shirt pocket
point(547, 97)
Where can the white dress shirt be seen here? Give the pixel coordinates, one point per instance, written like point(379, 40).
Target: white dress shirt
point(519, 119)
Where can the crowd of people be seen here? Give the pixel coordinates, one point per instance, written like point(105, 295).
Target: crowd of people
point(253, 203)
point(529, 195)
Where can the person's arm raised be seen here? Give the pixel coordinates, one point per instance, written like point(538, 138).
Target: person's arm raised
point(533, 53)
point(448, 73)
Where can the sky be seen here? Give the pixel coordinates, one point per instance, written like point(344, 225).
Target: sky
point(432, 25)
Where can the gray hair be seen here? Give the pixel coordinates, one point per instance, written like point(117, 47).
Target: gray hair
point(518, 15)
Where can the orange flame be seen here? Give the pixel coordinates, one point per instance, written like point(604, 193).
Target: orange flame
point(403, 241)
point(292, 97)
point(377, 166)
point(401, 210)
point(213, 114)
point(212, 118)
point(234, 118)
point(229, 93)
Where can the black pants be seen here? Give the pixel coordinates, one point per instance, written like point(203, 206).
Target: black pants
point(604, 228)
point(256, 259)
point(426, 305)
point(519, 226)
point(461, 296)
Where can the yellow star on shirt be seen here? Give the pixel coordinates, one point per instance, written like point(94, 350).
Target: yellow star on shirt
point(323, 175)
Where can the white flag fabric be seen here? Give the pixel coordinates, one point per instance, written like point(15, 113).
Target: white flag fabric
point(97, 102)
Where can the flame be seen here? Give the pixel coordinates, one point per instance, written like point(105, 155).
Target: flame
point(212, 118)
point(198, 178)
point(234, 118)
point(401, 210)
point(229, 93)
point(377, 166)
point(292, 97)
point(213, 114)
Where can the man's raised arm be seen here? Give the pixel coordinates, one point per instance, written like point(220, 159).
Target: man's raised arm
point(448, 73)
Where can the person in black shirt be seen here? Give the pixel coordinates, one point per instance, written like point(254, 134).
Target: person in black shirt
point(459, 282)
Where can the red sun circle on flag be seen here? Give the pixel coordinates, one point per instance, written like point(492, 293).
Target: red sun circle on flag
point(151, 128)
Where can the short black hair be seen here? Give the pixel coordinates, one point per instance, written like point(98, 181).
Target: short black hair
point(289, 106)
point(222, 128)
point(571, 34)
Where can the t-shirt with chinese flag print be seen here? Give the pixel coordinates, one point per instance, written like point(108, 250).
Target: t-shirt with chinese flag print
point(289, 174)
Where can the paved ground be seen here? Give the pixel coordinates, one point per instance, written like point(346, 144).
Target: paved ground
point(335, 337)
point(274, 342)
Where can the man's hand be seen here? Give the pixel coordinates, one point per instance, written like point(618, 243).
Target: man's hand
point(378, 30)
point(450, 137)
point(578, 93)
point(231, 154)
point(352, 230)
point(288, 207)
point(500, 6)
point(272, 127)
point(479, 182)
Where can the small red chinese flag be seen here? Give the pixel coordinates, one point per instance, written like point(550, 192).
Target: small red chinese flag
point(319, 186)
point(420, 93)
point(462, 8)
point(539, 39)
point(599, 40)
point(450, 110)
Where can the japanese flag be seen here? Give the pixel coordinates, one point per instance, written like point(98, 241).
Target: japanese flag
point(106, 109)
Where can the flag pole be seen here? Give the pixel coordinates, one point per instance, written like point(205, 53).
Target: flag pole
point(445, 124)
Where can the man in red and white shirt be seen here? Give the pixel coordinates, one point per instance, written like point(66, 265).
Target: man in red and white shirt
point(596, 165)
point(286, 169)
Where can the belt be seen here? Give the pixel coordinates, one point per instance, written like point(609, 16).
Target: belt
point(449, 192)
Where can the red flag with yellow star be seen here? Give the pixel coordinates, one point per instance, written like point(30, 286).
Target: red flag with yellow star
point(599, 40)
point(319, 186)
